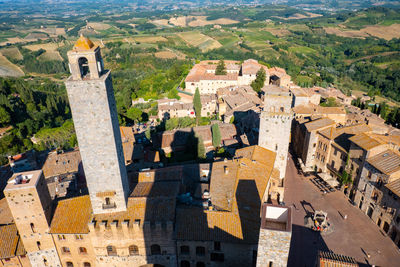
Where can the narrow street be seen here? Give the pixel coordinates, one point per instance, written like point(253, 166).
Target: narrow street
point(357, 236)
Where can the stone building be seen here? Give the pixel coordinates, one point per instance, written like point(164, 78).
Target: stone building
point(275, 236)
point(31, 207)
point(92, 102)
point(275, 125)
point(205, 216)
point(337, 114)
point(377, 192)
point(12, 251)
point(203, 76)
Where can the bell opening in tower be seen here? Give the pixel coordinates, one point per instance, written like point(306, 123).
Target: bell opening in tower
point(83, 67)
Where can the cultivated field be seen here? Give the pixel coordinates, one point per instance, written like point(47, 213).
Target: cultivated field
point(9, 69)
point(97, 26)
point(192, 21)
point(12, 52)
point(53, 31)
point(47, 47)
point(343, 33)
point(277, 31)
point(51, 55)
point(150, 39)
point(385, 32)
point(13, 40)
point(165, 54)
point(199, 40)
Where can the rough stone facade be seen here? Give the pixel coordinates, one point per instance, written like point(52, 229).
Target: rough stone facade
point(275, 127)
point(273, 247)
point(44, 258)
point(30, 204)
point(92, 104)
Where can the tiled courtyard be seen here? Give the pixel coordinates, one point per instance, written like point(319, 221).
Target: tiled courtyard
point(357, 236)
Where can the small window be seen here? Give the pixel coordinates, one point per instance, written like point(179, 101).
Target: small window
point(133, 250)
point(86, 264)
point(82, 250)
point(185, 264)
point(65, 250)
point(200, 251)
point(185, 250)
point(38, 245)
point(33, 228)
point(217, 246)
point(69, 264)
point(79, 237)
point(200, 264)
point(111, 251)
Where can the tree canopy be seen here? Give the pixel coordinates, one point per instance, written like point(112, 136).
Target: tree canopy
point(216, 135)
point(221, 68)
point(197, 105)
point(258, 83)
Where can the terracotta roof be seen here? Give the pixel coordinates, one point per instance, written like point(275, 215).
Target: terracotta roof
point(5, 212)
point(386, 162)
point(394, 187)
point(10, 242)
point(83, 43)
point(158, 189)
point(257, 153)
point(163, 174)
point(61, 163)
point(310, 109)
point(251, 66)
point(319, 124)
point(72, 216)
point(127, 134)
point(240, 192)
point(341, 135)
point(365, 141)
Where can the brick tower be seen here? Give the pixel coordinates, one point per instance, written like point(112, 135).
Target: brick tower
point(29, 200)
point(275, 125)
point(93, 107)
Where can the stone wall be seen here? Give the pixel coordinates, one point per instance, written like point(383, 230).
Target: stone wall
point(273, 247)
point(96, 124)
point(44, 258)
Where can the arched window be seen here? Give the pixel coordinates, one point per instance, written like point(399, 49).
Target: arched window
point(282, 109)
point(69, 264)
point(45, 261)
point(200, 264)
point(155, 250)
point(185, 250)
point(82, 250)
point(185, 264)
point(111, 251)
point(86, 264)
point(38, 244)
point(33, 228)
point(108, 201)
point(200, 251)
point(83, 66)
point(133, 250)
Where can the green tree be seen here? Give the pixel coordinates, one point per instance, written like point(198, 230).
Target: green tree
point(134, 114)
point(258, 83)
point(197, 105)
point(221, 69)
point(216, 135)
point(147, 133)
point(5, 117)
point(201, 150)
point(330, 102)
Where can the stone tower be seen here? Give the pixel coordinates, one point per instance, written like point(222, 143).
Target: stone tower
point(93, 107)
point(275, 236)
point(29, 201)
point(275, 125)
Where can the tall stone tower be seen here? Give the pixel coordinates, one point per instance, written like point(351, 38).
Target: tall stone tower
point(275, 125)
point(29, 200)
point(93, 107)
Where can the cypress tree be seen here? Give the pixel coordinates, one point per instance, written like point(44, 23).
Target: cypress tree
point(197, 105)
point(216, 135)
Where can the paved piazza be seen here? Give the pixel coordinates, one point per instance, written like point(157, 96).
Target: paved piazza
point(357, 236)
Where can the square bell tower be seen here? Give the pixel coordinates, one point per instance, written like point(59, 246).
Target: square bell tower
point(92, 102)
